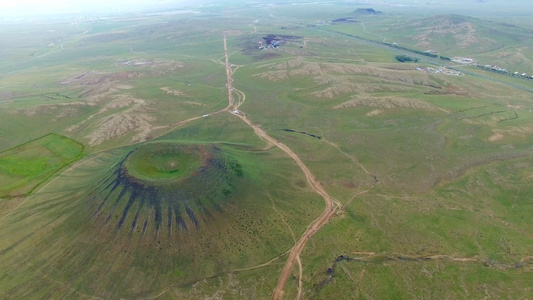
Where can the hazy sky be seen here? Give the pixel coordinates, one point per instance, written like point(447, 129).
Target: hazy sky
point(50, 4)
point(58, 6)
point(76, 3)
point(35, 7)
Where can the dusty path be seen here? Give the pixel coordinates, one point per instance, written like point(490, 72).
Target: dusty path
point(255, 28)
point(332, 205)
point(228, 75)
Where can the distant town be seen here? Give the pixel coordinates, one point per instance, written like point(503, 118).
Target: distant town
point(442, 70)
point(492, 68)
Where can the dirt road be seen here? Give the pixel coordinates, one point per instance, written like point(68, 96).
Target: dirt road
point(228, 75)
point(332, 205)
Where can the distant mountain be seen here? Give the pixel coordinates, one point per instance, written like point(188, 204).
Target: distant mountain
point(456, 33)
point(366, 11)
point(344, 20)
point(459, 31)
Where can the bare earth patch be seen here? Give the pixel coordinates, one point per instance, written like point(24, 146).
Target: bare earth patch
point(518, 131)
point(452, 90)
point(496, 137)
point(156, 66)
point(120, 124)
point(98, 86)
point(336, 79)
point(170, 91)
point(194, 103)
point(121, 101)
point(374, 112)
point(119, 114)
point(132, 116)
point(388, 102)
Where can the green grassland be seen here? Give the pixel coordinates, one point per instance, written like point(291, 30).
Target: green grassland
point(493, 42)
point(412, 153)
point(24, 167)
point(256, 225)
point(159, 163)
point(476, 217)
point(175, 197)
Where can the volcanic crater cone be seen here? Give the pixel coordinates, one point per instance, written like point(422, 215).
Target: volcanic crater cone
point(165, 187)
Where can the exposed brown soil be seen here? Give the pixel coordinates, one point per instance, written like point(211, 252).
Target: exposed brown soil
point(451, 90)
point(120, 124)
point(157, 67)
point(172, 92)
point(194, 103)
point(374, 112)
point(519, 131)
point(332, 79)
point(496, 137)
point(387, 102)
point(128, 114)
point(97, 86)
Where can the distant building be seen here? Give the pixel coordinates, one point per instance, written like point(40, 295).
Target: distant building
point(463, 60)
point(444, 71)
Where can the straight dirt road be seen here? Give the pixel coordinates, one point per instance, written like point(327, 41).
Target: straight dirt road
point(332, 205)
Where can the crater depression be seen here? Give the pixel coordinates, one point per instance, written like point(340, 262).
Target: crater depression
point(165, 187)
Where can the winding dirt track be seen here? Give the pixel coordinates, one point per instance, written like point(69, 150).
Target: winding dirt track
point(332, 205)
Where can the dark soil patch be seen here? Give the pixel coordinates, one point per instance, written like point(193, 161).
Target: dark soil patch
point(303, 132)
point(279, 39)
point(344, 20)
point(263, 48)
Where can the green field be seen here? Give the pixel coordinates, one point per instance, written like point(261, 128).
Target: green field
point(247, 225)
point(126, 172)
point(26, 166)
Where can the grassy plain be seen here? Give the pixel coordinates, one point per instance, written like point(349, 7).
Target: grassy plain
point(26, 166)
point(256, 225)
point(432, 171)
point(491, 42)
